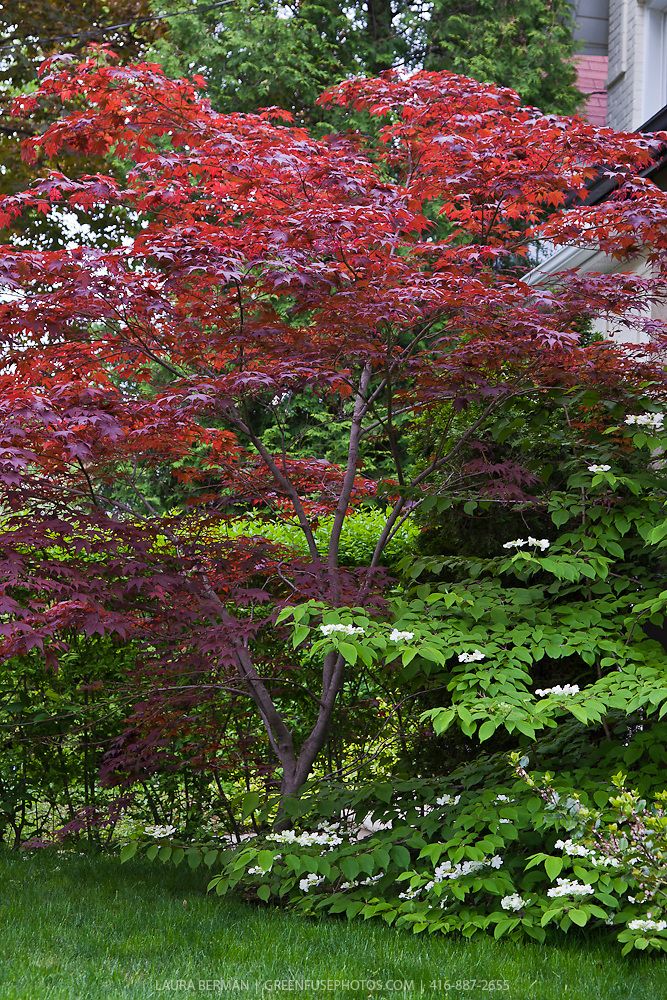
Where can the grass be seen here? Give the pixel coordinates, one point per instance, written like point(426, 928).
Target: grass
point(84, 927)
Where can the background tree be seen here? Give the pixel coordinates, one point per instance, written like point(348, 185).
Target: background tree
point(524, 44)
point(261, 52)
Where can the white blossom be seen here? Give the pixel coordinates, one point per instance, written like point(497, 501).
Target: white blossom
point(306, 839)
point(571, 849)
point(518, 543)
point(566, 689)
point(599, 468)
point(448, 800)
point(397, 636)
point(345, 629)
point(369, 826)
point(602, 861)
point(363, 881)
point(568, 887)
point(471, 657)
point(447, 870)
point(513, 902)
point(654, 421)
point(307, 883)
point(284, 397)
point(160, 831)
point(648, 925)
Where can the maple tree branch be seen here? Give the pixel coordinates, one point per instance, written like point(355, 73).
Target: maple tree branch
point(398, 507)
point(360, 406)
point(88, 481)
point(282, 479)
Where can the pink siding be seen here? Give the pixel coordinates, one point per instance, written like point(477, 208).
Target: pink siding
point(592, 81)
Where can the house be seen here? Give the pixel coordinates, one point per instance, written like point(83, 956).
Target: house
point(585, 258)
point(622, 69)
point(622, 60)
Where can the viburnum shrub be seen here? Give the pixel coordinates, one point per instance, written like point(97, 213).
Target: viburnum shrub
point(379, 274)
point(555, 816)
point(518, 858)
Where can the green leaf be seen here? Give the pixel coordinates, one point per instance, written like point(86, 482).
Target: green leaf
point(264, 893)
point(265, 859)
point(349, 652)
point(487, 729)
point(350, 868)
point(381, 857)
point(384, 791)
point(553, 867)
point(578, 917)
point(251, 801)
point(400, 855)
point(300, 633)
point(443, 720)
point(128, 851)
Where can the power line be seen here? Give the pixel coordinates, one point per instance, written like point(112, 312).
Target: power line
point(107, 28)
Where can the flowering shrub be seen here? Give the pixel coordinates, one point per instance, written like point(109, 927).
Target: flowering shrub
point(537, 655)
point(619, 851)
point(461, 862)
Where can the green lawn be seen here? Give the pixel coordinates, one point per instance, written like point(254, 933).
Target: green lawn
point(78, 927)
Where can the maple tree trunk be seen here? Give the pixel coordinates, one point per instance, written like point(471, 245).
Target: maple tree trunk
point(297, 767)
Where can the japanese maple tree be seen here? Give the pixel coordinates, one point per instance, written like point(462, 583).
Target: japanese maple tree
point(379, 271)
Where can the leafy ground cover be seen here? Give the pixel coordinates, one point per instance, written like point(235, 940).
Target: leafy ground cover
point(77, 926)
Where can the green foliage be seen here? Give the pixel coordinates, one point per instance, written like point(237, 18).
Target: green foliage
point(540, 651)
point(482, 859)
point(258, 53)
point(523, 44)
point(360, 534)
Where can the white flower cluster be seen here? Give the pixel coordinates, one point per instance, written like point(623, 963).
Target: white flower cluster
point(307, 883)
point(599, 468)
point(306, 839)
point(540, 543)
point(409, 894)
point(568, 887)
point(571, 849)
point(160, 831)
point(448, 870)
point(370, 826)
point(471, 657)
point(344, 629)
point(557, 689)
point(448, 800)
point(397, 636)
point(282, 398)
point(603, 861)
point(255, 870)
point(581, 851)
point(363, 881)
point(513, 902)
point(648, 925)
point(654, 421)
